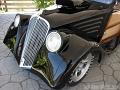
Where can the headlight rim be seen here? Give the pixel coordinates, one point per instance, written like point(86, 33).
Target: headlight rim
point(60, 44)
point(18, 18)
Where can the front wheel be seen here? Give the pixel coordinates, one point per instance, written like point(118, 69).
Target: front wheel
point(81, 69)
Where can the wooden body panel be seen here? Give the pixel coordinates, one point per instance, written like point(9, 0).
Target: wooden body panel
point(112, 28)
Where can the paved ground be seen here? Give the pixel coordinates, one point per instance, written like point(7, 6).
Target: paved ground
point(101, 77)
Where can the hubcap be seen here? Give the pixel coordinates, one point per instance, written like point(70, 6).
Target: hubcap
point(81, 69)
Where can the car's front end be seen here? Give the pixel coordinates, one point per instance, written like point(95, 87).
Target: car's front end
point(60, 44)
point(49, 53)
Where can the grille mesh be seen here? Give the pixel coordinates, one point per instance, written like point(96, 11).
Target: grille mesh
point(37, 31)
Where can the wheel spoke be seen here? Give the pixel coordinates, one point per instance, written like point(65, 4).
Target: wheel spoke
point(82, 68)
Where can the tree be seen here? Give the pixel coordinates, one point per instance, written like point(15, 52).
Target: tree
point(43, 3)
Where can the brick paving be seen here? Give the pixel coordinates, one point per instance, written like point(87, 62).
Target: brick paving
point(104, 76)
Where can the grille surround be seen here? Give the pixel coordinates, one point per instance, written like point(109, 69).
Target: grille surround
point(36, 34)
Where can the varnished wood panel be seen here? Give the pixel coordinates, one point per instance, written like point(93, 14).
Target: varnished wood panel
point(112, 28)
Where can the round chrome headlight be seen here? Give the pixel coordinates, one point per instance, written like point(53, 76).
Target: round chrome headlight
point(53, 42)
point(17, 20)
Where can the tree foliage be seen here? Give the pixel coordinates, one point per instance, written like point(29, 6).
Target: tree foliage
point(43, 3)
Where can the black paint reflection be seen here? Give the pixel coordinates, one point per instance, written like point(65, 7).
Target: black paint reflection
point(10, 39)
point(51, 65)
point(41, 63)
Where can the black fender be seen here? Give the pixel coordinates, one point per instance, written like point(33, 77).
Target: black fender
point(15, 35)
point(55, 67)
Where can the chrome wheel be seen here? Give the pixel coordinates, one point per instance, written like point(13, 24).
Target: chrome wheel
point(81, 69)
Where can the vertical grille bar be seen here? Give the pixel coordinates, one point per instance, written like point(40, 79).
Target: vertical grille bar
point(37, 31)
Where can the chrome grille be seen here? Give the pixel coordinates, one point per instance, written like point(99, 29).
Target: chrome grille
point(37, 31)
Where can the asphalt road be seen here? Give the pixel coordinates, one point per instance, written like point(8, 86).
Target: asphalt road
point(104, 76)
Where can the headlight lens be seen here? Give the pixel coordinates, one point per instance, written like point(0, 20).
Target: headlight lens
point(53, 41)
point(17, 20)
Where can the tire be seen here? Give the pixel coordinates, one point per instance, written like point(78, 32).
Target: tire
point(112, 45)
point(81, 69)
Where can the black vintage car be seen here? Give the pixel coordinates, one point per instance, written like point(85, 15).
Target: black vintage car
point(60, 44)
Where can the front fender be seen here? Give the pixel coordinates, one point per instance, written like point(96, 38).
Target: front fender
point(15, 35)
point(51, 66)
point(54, 66)
point(76, 48)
